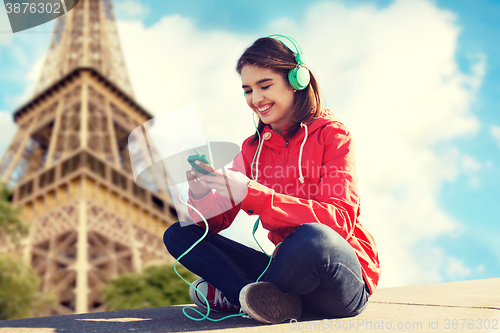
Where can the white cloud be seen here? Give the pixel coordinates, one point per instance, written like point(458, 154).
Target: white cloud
point(129, 9)
point(495, 132)
point(8, 129)
point(23, 61)
point(474, 182)
point(31, 80)
point(22, 58)
point(470, 166)
point(172, 64)
point(390, 74)
point(455, 269)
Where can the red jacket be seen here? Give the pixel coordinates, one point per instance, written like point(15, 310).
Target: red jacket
point(328, 195)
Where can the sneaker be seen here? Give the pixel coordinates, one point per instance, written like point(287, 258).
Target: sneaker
point(216, 300)
point(263, 301)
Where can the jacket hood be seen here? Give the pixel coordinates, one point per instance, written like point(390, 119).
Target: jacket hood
point(325, 116)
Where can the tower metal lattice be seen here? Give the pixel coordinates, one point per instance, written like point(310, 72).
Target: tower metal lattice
point(69, 167)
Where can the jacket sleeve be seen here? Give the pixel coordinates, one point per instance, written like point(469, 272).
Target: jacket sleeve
point(217, 210)
point(336, 203)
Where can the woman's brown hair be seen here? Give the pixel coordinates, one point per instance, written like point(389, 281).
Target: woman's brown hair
point(271, 53)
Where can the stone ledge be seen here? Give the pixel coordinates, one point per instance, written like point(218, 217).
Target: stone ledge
point(445, 307)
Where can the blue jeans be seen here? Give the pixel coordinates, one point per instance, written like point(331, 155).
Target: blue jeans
point(313, 261)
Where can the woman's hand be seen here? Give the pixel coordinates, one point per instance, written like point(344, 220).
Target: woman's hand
point(197, 188)
point(230, 184)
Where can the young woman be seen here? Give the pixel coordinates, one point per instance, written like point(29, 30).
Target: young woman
point(300, 178)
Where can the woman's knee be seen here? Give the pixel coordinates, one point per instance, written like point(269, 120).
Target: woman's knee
point(321, 242)
point(318, 235)
point(177, 237)
point(169, 236)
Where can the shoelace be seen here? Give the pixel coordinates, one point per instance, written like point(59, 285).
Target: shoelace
point(245, 314)
point(221, 300)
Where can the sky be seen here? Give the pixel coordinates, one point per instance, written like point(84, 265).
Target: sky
point(415, 81)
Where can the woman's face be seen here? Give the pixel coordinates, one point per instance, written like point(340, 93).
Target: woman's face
point(268, 94)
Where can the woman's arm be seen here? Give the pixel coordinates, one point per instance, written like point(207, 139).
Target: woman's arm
point(220, 208)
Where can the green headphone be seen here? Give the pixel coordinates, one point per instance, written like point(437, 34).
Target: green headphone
point(299, 76)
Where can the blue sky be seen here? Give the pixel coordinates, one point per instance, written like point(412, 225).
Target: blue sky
point(438, 201)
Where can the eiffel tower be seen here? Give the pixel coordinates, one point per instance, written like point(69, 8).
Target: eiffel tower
point(69, 167)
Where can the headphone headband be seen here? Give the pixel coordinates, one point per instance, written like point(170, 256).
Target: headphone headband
point(298, 49)
point(299, 76)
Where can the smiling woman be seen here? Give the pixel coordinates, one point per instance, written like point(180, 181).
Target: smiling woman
point(324, 262)
point(273, 58)
point(269, 95)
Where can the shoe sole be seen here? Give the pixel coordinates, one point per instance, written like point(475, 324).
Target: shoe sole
point(263, 301)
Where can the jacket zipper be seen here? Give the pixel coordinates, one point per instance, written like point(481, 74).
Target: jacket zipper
point(285, 161)
point(286, 152)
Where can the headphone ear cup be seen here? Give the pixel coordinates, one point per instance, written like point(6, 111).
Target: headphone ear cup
point(299, 78)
